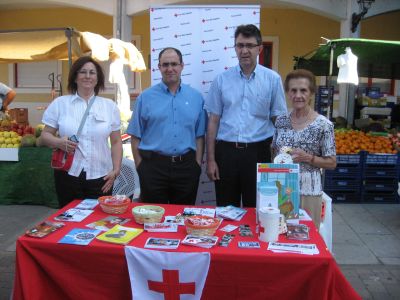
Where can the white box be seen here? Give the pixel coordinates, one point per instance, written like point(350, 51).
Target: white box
point(381, 111)
point(9, 154)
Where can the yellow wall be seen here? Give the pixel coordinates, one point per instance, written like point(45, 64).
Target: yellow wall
point(382, 27)
point(141, 27)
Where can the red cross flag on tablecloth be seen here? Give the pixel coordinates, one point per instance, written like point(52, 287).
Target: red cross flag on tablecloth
point(166, 275)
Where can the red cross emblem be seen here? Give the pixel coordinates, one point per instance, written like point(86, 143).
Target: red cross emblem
point(170, 286)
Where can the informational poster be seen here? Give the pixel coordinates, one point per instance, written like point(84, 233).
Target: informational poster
point(285, 187)
point(205, 36)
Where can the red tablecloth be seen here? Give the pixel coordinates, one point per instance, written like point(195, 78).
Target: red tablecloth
point(48, 270)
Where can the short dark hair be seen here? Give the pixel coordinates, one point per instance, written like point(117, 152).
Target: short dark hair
point(170, 48)
point(248, 31)
point(73, 73)
point(301, 73)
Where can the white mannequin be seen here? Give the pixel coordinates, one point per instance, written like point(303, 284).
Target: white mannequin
point(347, 64)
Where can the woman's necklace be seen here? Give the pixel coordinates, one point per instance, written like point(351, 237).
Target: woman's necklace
point(307, 118)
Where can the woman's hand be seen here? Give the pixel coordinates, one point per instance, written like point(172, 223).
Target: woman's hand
point(299, 155)
point(109, 181)
point(66, 145)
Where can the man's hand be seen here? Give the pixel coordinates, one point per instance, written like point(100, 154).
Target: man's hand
point(212, 170)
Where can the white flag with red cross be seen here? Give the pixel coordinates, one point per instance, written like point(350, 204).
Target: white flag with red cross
point(163, 275)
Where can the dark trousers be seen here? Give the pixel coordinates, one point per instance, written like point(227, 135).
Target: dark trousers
point(69, 188)
point(237, 170)
point(167, 180)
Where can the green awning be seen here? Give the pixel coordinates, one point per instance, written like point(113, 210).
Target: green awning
point(376, 58)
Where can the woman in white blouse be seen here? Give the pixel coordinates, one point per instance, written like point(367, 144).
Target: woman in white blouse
point(95, 165)
point(310, 137)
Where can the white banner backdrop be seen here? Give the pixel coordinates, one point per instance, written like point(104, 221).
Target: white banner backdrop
point(205, 36)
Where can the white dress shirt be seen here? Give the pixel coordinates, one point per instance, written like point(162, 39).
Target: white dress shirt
point(93, 154)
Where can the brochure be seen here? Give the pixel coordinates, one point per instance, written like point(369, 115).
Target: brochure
point(87, 204)
point(79, 236)
point(308, 249)
point(200, 241)
point(196, 211)
point(278, 186)
point(161, 227)
point(74, 215)
point(297, 232)
point(43, 229)
point(231, 212)
point(160, 243)
point(120, 234)
point(108, 223)
point(179, 220)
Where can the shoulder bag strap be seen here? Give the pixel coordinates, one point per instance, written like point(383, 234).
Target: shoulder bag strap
point(83, 121)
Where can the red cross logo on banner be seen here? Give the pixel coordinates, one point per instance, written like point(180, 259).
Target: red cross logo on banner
point(260, 230)
point(170, 286)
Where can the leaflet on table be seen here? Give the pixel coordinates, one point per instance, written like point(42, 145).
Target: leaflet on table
point(308, 249)
point(120, 234)
point(161, 243)
point(200, 241)
point(108, 223)
point(179, 220)
point(87, 204)
point(196, 211)
point(44, 228)
point(161, 227)
point(298, 232)
point(231, 212)
point(278, 186)
point(79, 236)
point(74, 215)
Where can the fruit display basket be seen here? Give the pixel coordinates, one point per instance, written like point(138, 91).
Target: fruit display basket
point(114, 204)
point(201, 225)
point(148, 214)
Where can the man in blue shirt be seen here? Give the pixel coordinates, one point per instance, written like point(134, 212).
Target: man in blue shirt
point(242, 103)
point(167, 135)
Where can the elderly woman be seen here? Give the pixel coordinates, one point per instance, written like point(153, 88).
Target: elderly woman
point(95, 166)
point(310, 137)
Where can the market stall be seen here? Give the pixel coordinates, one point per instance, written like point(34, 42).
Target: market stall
point(29, 180)
point(368, 163)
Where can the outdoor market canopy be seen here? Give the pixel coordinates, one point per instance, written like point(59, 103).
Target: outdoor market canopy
point(65, 43)
point(376, 58)
point(52, 44)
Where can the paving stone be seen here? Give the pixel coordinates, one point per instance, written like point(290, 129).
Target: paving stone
point(382, 245)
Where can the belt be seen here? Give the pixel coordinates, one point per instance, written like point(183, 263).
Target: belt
point(173, 159)
point(239, 145)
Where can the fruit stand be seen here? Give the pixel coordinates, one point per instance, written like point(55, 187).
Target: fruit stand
point(368, 167)
point(29, 180)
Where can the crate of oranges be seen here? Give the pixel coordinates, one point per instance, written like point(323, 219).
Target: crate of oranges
point(349, 141)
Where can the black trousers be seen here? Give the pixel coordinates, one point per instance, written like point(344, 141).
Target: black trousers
point(166, 179)
point(69, 188)
point(237, 164)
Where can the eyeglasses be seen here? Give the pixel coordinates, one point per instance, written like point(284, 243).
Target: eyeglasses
point(247, 45)
point(168, 64)
point(85, 72)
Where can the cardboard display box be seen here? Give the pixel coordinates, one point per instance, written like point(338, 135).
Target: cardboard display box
point(20, 115)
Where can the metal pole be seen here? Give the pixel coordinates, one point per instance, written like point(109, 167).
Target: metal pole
point(68, 34)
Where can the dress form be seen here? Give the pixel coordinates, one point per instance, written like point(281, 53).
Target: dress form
point(347, 64)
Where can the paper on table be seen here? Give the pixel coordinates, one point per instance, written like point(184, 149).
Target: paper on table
point(309, 249)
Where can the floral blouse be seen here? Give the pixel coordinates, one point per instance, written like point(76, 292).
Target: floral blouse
point(317, 138)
